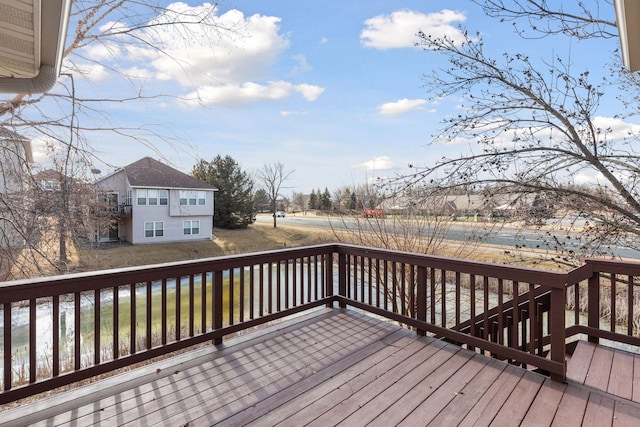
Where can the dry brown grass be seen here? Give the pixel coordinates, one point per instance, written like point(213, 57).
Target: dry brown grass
point(258, 237)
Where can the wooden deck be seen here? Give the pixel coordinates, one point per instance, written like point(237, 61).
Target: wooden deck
point(614, 371)
point(335, 367)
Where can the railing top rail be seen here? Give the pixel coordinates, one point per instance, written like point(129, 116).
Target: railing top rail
point(549, 278)
point(613, 266)
point(87, 281)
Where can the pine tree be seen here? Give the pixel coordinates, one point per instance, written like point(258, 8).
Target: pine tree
point(234, 205)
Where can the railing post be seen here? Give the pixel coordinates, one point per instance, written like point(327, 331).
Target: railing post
point(342, 277)
point(328, 277)
point(217, 304)
point(593, 315)
point(421, 296)
point(558, 341)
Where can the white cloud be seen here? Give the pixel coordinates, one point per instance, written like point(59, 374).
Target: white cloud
point(229, 49)
point(310, 92)
point(401, 106)
point(302, 66)
point(285, 113)
point(619, 129)
point(240, 94)
point(225, 57)
point(583, 178)
point(400, 29)
point(89, 71)
point(376, 164)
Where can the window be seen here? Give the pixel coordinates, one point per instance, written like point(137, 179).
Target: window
point(191, 227)
point(128, 198)
point(193, 198)
point(163, 196)
point(142, 197)
point(110, 200)
point(50, 185)
point(153, 197)
point(154, 229)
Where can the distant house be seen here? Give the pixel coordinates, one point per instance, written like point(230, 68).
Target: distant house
point(151, 202)
point(15, 159)
point(49, 180)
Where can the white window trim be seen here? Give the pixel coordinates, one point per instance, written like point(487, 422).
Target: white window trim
point(161, 197)
point(192, 198)
point(188, 227)
point(154, 229)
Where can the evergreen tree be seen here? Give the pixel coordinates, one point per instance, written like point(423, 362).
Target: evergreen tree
point(353, 201)
point(313, 200)
point(234, 205)
point(261, 199)
point(325, 200)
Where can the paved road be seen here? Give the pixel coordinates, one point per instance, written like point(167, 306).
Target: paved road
point(508, 236)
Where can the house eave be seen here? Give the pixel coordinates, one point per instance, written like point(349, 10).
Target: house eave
point(628, 23)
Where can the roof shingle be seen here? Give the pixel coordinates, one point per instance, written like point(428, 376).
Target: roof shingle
point(148, 172)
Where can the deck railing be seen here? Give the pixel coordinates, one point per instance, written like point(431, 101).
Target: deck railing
point(65, 329)
point(604, 299)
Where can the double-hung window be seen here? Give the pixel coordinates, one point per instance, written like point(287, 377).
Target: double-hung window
point(153, 229)
point(153, 197)
point(191, 227)
point(142, 197)
point(193, 198)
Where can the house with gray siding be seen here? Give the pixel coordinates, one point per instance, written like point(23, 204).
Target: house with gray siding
point(151, 203)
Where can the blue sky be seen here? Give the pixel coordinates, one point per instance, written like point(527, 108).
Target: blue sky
point(333, 90)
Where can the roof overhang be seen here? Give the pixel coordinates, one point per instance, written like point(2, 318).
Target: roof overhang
point(32, 37)
point(628, 22)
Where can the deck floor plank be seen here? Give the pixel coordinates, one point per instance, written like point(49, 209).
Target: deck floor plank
point(468, 397)
point(600, 368)
point(626, 415)
point(492, 401)
point(545, 405)
point(621, 371)
point(341, 367)
point(414, 396)
point(636, 378)
point(572, 407)
point(438, 401)
point(578, 366)
point(354, 370)
point(247, 387)
point(599, 411)
point(384, 391)
point(304, 407)
point(519, 401)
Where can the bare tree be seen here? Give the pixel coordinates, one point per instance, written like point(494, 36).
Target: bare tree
point(409, 221)
point(300, 200)
point(273, 176)
point(69, 115)
point(532, 128)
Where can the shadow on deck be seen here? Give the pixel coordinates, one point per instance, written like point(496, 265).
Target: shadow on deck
point(334, 367)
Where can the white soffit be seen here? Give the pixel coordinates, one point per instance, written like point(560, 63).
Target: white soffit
point(19, 38)
point(628, 23)
point(32, 36)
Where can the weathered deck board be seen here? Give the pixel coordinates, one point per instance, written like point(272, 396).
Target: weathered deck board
point(578, 366)
point(338, 367)
point(614, 371)
point(600, 368)
point(572, 406)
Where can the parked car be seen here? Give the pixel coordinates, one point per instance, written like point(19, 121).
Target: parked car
point(280, 214)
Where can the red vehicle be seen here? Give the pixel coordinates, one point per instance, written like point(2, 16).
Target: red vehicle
point(374, 213)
